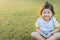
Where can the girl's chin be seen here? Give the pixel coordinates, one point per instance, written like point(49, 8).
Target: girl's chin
point(47, 19)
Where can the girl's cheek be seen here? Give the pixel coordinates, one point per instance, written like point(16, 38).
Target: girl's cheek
point(51, 15)
point(43, 15)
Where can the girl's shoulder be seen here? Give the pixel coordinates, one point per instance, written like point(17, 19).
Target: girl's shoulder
point(40, 19)
point(53, 18)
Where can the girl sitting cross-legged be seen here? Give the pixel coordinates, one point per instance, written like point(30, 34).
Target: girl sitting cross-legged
point(47, 26)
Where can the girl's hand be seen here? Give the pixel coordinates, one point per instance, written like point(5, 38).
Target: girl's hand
point(47, 36)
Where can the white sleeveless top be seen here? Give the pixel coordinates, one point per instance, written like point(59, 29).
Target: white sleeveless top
point(45, 27)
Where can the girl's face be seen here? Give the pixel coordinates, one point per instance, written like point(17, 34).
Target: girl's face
point(46, 14)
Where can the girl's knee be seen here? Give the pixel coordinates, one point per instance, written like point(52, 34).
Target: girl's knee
point(58, 33)
point(34, 34)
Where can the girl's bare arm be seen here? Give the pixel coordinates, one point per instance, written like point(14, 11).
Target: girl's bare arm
point(38, 30)
point(54, 31)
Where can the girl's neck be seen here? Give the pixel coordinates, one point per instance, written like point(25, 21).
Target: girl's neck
point(47, 20)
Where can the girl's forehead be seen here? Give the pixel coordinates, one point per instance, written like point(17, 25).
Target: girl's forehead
point(46, 9)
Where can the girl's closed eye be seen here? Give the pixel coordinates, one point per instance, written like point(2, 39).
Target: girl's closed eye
point(44, 12)
point(48, 12)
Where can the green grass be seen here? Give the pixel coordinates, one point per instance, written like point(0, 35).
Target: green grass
point(17, 18)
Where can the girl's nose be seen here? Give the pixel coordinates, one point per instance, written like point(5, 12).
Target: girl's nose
point(46, 14)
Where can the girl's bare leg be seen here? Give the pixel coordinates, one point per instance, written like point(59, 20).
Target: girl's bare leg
point(37, 36)
point(54, 36)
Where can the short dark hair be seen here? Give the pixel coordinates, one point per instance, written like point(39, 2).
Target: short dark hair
point(47, 5)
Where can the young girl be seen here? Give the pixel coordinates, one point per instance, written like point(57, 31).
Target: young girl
point(47, 26)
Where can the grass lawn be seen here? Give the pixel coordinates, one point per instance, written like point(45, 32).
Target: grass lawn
point(17, 17)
